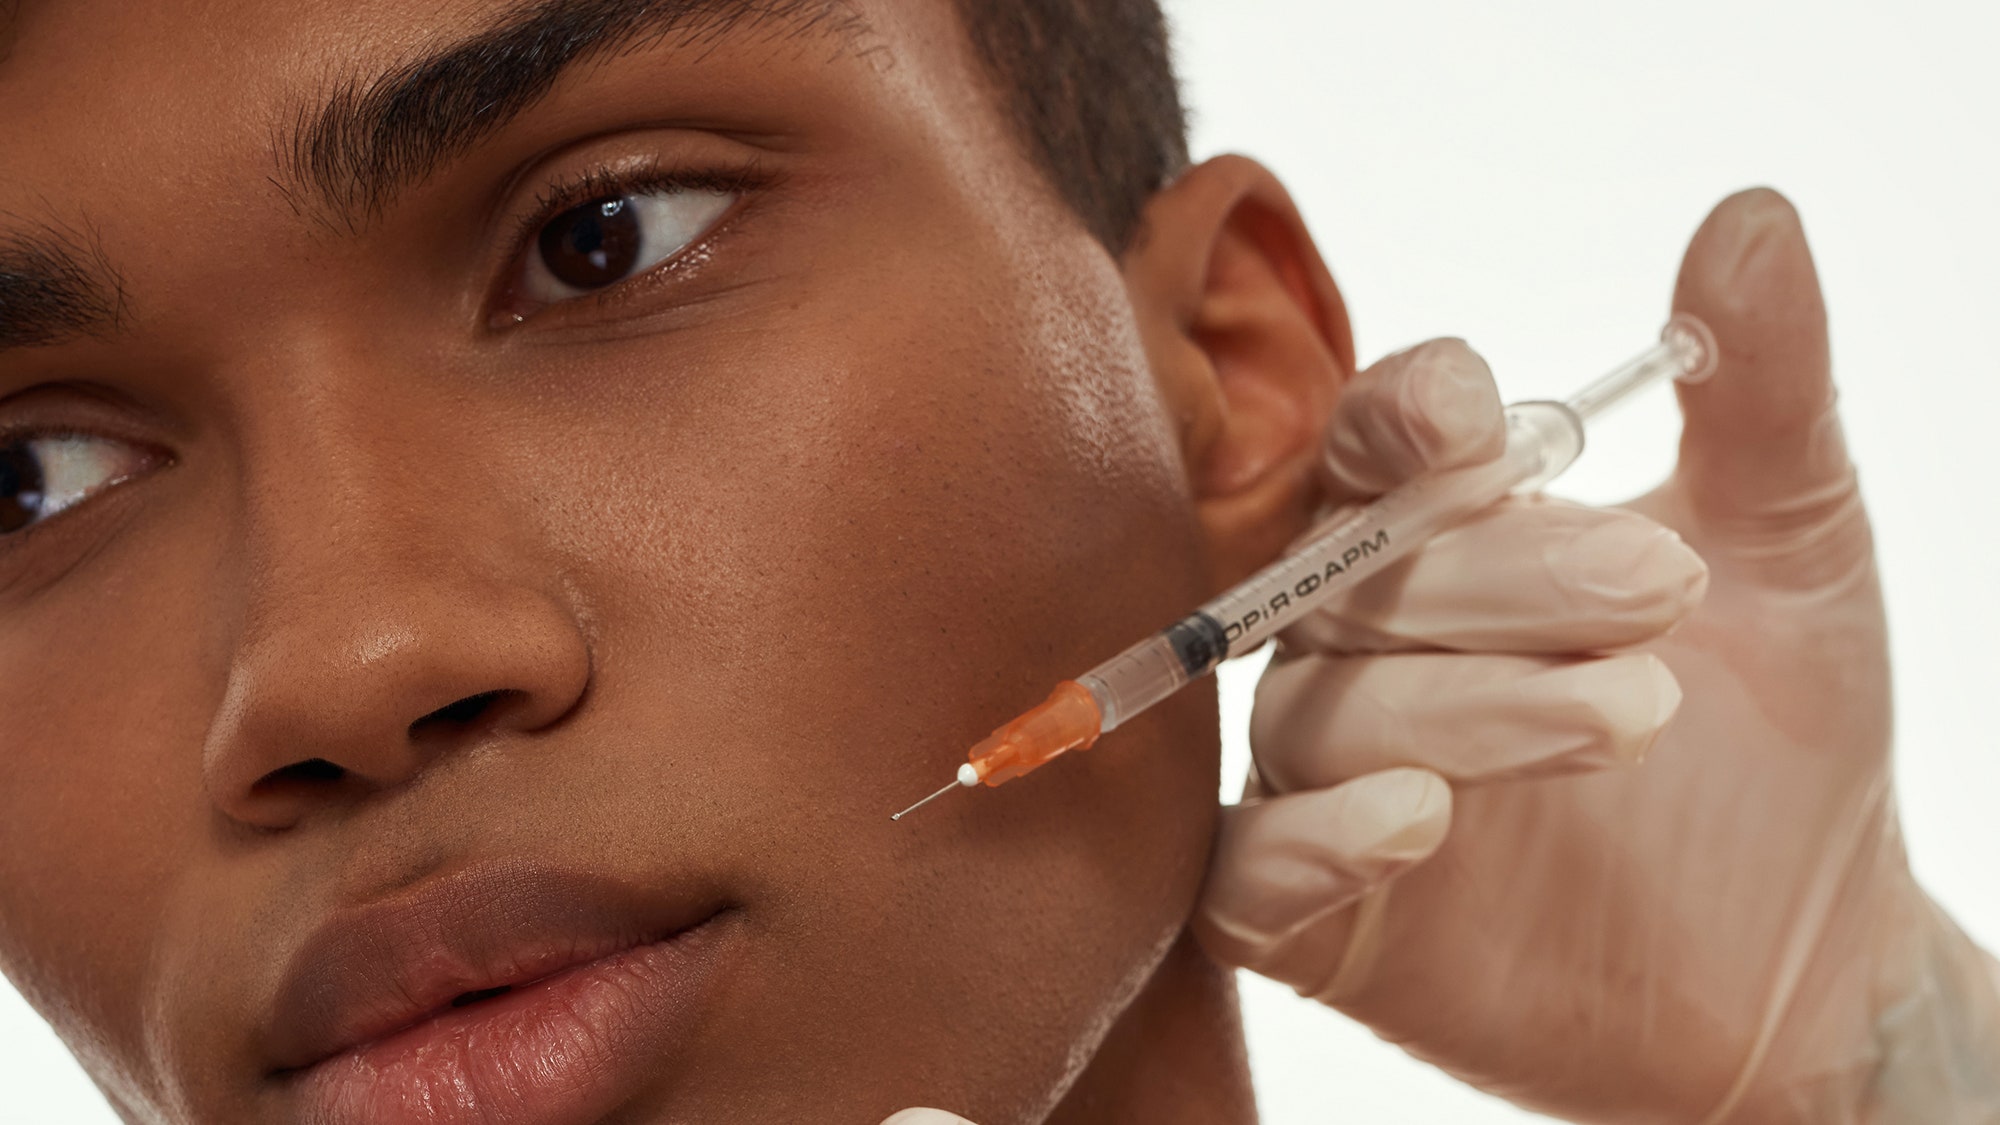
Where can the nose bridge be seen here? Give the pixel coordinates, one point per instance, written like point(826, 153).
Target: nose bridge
point(356, 504)
point(384, 584)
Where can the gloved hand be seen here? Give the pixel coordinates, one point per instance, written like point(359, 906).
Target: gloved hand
point(1726, 933)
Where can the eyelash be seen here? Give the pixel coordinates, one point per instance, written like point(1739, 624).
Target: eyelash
point(653, 176)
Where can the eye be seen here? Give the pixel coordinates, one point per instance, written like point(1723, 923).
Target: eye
point(609, 239)
point(41, 475)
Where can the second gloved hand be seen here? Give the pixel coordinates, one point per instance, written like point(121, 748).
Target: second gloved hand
point(1727, 932)
point(1493, 653)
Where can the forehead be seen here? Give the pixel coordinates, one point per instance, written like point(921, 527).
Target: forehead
point(139, 72)
point(121, 84)
point(122, 123)
point(294, 32)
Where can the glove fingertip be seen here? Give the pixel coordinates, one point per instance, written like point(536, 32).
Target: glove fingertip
point(1637, 696)
point(1418, 803)
point(926, 1117)
point(1283, 863)
point(1432, 407)
point(1452, 408)
point(1667, 702)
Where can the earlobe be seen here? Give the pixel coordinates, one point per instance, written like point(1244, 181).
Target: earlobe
point(1250, 342)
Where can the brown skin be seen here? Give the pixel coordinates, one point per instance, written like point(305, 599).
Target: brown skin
point(899, 448)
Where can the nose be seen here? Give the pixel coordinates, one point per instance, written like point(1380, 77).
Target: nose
point(374, 647)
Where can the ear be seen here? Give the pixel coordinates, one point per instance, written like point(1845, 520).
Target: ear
point(1249, 339)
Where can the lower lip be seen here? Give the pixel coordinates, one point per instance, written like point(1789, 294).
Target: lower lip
point(566, 1050)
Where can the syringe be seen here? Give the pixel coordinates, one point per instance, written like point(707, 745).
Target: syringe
point(1543, 438)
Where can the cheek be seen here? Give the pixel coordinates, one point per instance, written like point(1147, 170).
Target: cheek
point(100, 802)
point(861, 545)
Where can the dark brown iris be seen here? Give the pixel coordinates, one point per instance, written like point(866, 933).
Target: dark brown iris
point(21, 488)
point(592, 246)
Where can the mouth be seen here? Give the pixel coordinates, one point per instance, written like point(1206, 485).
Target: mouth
point(502, 996)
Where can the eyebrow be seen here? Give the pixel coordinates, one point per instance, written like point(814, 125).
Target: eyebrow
point(54, 284)
point(371, 138)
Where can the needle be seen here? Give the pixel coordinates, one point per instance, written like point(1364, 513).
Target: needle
point(966, 776)
point(948, 787)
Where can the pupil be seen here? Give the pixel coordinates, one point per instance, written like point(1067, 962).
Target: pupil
point(21, 488)
point(592, 246)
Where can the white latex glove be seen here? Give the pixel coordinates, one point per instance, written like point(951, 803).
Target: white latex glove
point(1726, 933)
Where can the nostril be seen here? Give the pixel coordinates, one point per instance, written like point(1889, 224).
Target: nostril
point(311, 772)
point(458, 714)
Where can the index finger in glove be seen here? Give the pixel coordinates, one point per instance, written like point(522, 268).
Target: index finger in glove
point(1530, 575)
point(1431, 407)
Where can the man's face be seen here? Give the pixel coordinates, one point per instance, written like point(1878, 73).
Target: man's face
point(414, 584)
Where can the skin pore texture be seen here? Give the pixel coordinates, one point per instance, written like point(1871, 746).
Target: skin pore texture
point(686, 582)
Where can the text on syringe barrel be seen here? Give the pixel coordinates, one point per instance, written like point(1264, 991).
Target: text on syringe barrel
point(1348, 550)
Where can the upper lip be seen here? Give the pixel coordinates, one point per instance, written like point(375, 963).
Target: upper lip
point(377, 969)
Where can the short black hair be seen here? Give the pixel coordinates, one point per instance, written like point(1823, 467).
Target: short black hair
point(1090, 87)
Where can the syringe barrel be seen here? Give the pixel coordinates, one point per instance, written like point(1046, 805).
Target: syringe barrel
point(1137, 678)
point(1542, 439)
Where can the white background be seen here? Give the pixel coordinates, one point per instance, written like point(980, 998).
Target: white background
point(1526, 175)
